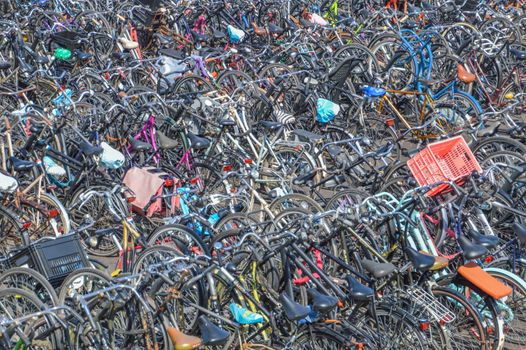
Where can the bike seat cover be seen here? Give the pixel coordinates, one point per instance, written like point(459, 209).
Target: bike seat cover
point(520, 55)
point(464, 75)
point(235, 35)
point(358, 291)
point(18, 164)
point(111, 158)
point(182, 341)
point(211, 334)
point(322, 303)
point(8, 184)
point(293, 310)
point(138, 145)
point(484, 281)
point(520, 230)
point(326, 110)
point(420, 261)
point(197, 142)
point(378, 270)
point(487, 241)
point(244, 316)
point(90, 150)
point(165, 142)
point(128, 44)
point(371, 91)
point(471, 250)
point(53, 168)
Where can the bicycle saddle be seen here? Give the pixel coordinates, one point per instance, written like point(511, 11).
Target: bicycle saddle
point(520, 231)
point(490, 131)
point(520, 55)
point(182, 341)
point(303, 179)
point(138, 145)
point(83, 55)
point(259, 30)
point(464, 75)
point(227, 122)
point(120, 55)
point(275, 29)
point(270, 125)
point(211, 334)
point(164, 39)
point(471, 251)
point(420, 261)
point(487, 241)
point(410, 24)
point(378, 270)
point(199, 37)
point(90, 150)
point(5, 65)
point(18, 164)
point(358, 291)
point(371, 91)
point(322, 303)
point(177, 54)
point(165, 142)
point(218, 34)
point(293, 310)
point(7, 183)
point(305, 135)
point(430, 82)
point(128, 44)
point(440, 261)
point(197, 142)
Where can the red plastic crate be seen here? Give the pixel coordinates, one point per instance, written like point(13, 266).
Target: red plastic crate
point(445, 160)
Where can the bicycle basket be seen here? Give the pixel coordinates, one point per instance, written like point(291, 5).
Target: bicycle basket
point(67, 39)
point(55, 258)
point(445, 160)
point(432, 305)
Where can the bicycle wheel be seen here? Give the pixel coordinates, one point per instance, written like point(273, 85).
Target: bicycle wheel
point(82, 281)
point(178, 237)
point(16, 303)
point(512, 308)
point(319, 338)
point(29, 279)
point(467, 330)
point(11, 230)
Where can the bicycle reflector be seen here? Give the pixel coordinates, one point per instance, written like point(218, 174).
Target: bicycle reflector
point(26, 225)
point(227, 167)
point(247, 161)
point(390, 122)
point(424, 325)
point(53, 213)
point(168, 182)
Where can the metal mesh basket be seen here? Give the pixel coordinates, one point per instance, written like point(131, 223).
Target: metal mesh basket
point(432, 305)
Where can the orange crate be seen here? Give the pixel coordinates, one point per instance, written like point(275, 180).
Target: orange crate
point(445, 160)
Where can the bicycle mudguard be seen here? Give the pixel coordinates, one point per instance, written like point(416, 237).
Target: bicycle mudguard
point(512, 276)
point(484, 281)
